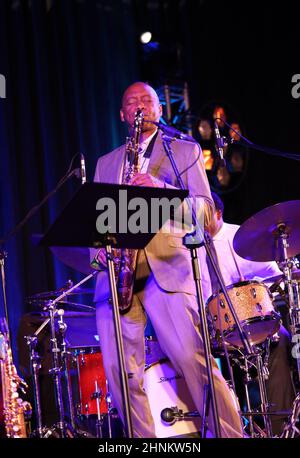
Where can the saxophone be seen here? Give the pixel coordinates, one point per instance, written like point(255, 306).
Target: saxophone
point(16, 412)
point(125, 258)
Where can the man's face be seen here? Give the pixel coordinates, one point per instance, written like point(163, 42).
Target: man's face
point(143, 97)
point(215, 224)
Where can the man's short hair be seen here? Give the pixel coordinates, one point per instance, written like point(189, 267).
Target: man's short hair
point(218, 202)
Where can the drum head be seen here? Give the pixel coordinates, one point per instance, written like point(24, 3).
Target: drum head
point(167, 389)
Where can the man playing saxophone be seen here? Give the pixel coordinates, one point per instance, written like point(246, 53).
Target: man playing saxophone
point(163, 286)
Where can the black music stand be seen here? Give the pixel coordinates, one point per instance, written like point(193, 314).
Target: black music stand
point(76, 226)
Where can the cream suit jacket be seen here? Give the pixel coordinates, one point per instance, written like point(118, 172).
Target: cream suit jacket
point(169, 259)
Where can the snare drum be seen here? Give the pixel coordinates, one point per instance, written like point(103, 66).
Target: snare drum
point(166, 388)
point(253, 303)
point(91, 380)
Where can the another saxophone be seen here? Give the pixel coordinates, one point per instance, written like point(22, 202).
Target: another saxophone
point(125, 258)
point(16, 412)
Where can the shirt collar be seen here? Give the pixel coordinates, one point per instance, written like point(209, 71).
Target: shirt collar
point(146, 142)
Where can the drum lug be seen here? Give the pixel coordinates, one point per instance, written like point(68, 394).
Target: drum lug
point(258, 307)
point(227, 318)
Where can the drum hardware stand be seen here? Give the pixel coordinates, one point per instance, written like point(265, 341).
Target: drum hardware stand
point(263, 395)
point(109, 409)
point(62, 327)
point(290, 430)
point(262, 375)
point(292, 287)
point(98, 395)
point(61, 427)
point(192, 242)
point(286, 264)
point(35, 364)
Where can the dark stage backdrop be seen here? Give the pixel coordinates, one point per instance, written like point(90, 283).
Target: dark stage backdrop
point(66, 63)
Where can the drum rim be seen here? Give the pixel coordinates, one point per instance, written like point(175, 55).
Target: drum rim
point(236, 285)
point(273, 316)
point(77, 351)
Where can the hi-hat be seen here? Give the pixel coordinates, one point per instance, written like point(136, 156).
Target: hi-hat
point(258, 238)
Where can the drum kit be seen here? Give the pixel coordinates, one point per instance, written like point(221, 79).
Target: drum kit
point(273, 234)
point(83, 401)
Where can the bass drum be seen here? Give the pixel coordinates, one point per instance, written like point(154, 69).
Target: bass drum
point(166, 388)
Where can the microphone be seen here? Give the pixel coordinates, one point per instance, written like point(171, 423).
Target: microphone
point(172, 132)
point(172, 414)
point(82, 169)
point(219, 144)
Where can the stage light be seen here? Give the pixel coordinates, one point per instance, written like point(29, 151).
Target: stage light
point(146, 37)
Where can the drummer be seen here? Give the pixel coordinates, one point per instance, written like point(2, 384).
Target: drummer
point(235, 269)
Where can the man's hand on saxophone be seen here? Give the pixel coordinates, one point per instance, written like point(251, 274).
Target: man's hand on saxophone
point(145, 179)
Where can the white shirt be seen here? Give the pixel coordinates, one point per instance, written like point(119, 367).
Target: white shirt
point(250, 270)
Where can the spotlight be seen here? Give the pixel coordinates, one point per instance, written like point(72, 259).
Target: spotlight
point(146, 37)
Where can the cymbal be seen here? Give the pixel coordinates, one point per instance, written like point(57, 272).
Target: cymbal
point(66, 305)
point(295, 276)
point(257, 238)
point(48, 295)
point(76, 257)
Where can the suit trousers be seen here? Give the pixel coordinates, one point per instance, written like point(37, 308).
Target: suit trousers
point(175, 319)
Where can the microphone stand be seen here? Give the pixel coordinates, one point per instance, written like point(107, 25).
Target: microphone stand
point(192, 242)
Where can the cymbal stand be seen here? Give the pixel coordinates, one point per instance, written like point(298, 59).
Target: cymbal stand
point(99, 422)
point(247, 381)
point(290, 430)
point(286, 265)
point(62, 326)
point(263, 394)
point(62, 428)
point(262, 375)
point(35, 365)
point(56, 372)
point(109, 409)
